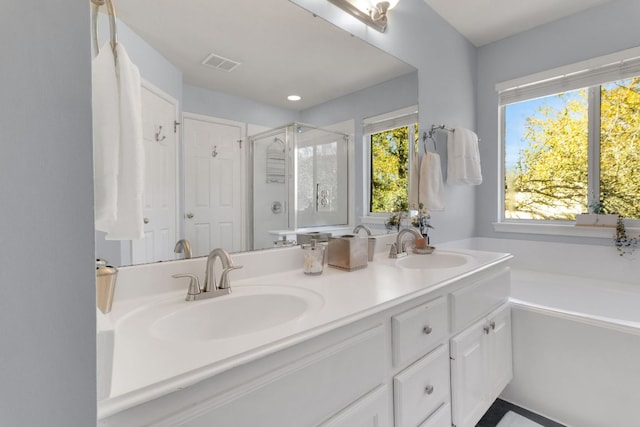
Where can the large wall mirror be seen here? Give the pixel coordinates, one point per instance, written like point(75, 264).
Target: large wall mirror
point(255, 54)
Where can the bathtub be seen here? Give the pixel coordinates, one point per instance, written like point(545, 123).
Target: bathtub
point(576, 349)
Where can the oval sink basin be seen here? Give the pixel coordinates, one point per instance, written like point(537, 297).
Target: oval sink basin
point(434, 260)
point(246, 310)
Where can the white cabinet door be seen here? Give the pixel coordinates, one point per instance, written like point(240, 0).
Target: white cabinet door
point(480, 366)
point(500, 351)
point(468, 375)
point(369, 411)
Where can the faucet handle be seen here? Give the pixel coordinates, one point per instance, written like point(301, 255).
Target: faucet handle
point(224, 277)
point(194, 285)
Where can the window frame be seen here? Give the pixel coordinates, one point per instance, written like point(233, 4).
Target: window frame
point(621, 65)
point(376, 124)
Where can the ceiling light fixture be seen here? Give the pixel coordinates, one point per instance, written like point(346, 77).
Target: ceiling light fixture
point(371, 12)
point(294, 97)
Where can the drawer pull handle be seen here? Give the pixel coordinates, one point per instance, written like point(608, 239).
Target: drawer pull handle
point(493, 325)
point(486, 330)
point(427, 330)
point(428, 389)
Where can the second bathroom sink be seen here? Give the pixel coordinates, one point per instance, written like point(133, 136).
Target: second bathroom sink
point(438, 259)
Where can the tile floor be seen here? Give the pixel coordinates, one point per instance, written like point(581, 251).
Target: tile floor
point(501, 407)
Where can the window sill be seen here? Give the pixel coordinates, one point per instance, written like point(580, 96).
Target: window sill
point(374, 220)
point(567, 229)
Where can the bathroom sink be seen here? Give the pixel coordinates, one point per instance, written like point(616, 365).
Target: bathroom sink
point(437, 259)
point(246, 310)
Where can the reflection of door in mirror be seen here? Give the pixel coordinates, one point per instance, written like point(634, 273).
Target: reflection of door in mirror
point(158, 115)
point(213, 184)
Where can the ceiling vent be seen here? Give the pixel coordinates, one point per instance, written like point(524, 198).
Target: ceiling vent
point(220, 63)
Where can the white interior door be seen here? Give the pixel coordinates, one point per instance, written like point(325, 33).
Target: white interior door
point(159, 112)
point(213, 184)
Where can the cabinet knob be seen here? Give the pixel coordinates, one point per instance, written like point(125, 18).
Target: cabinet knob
point(146, 220)
point(427, 330)
point(493, 325)
point(486, 329)
point(428, 389)
point(189, 215)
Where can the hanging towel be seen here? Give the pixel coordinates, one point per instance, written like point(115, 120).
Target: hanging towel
point(415, 178)
point(463, 166)
point(106, 131)
point(129, 223)
point(431, 186)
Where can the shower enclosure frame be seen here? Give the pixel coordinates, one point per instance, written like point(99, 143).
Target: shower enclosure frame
point(290, 139)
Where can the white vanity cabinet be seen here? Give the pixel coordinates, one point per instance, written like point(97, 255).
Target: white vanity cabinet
point(433, 358)
point(420, 337)
point(481, 366)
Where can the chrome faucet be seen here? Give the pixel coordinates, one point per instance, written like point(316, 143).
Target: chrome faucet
point(211, 289)
point(362, 227)
point(227, 265)
point(183, 245)
point(398, 249)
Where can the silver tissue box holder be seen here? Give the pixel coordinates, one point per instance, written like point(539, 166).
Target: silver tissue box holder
point(348, 252)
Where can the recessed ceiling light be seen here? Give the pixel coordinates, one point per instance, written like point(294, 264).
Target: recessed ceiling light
point(294, 97)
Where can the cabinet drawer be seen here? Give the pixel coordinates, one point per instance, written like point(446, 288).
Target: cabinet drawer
point(440, 418)
point(422, 388)
point(475, 301)
point(417, 331)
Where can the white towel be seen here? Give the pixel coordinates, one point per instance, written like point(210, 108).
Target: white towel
point(431, 191)
point(463, 166)
point(415, 178)
point(129, 223)
point(106, 130)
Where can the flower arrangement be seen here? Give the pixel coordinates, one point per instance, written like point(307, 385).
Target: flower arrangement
point(394, 221)
point(421, 221)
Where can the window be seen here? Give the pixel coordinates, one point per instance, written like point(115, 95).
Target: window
point(565, 149)
point(389, 153)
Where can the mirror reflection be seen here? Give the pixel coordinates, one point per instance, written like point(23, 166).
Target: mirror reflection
point(215, 83)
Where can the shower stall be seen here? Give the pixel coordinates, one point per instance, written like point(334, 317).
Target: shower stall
point(299, 180)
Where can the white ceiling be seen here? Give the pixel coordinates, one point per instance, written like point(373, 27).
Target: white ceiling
point(486, 21)
point(283, 49)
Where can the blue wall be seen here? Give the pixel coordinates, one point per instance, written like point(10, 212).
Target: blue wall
point(47, 264)
point(446, 64)
point(595, 32)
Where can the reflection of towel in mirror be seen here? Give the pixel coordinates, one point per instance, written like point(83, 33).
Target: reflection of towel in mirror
point(106, 129)
point(431, 190)
point(414, 182)
point(120, 185)
point(463, 166)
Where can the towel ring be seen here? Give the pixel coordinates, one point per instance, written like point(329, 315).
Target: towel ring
point(95, 5)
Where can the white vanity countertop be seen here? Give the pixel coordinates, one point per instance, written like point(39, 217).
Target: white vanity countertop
point(146, 367)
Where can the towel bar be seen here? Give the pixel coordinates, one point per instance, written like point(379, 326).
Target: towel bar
point(112, 23)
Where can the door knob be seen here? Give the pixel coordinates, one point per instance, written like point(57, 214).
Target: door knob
point(189, 215)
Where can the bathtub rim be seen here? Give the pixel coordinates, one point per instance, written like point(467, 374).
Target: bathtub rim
point(598, 321)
